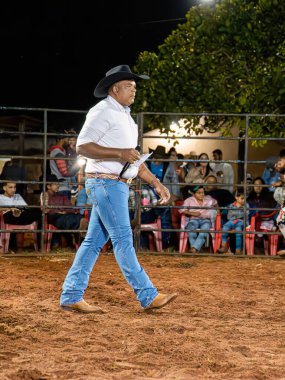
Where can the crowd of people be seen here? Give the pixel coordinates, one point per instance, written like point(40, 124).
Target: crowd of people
point(194, 180)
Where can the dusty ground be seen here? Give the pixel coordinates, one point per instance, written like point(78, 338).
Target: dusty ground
point(227, 323)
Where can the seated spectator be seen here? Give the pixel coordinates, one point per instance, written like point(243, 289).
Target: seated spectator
point(279, 196)
point(235, 216)
point(191, 164)
point(171, 177)
point(249, 182)
point(260, 197)
point(148, 215)
point(63, 217)
point(223, 170)
point(270, 175)
point(158, 168)
point(72, 162)
point(198, 218)
point(197, 174)
point(83, 201)
point(59, 166)
point(15, 210)
point(172, 153)
point(12, 170)
point(223, 197)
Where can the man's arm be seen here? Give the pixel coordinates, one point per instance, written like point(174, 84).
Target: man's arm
point(95, 151)
point(146, 175)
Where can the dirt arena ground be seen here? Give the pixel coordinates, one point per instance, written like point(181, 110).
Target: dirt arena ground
point(227, 323)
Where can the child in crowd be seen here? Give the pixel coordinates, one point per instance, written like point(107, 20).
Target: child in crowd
point(236, 218)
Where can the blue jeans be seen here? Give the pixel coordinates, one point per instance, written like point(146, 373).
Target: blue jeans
point(109, 218)
point(197, 239)
point(238, 226)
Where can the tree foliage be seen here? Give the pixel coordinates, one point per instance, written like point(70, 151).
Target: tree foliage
point(226, 58)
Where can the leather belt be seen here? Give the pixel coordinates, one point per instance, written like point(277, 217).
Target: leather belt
point(109, 176)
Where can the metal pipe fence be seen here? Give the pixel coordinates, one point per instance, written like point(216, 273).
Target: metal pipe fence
point(23, 141)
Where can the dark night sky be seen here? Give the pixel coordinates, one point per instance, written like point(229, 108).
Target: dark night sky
point(53, 53)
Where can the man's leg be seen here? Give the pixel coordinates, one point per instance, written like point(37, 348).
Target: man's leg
point(77, 278)
point(112, 205)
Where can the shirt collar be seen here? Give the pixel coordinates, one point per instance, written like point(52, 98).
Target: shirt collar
point(118, 105)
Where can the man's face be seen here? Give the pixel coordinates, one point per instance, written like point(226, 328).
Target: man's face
point(257, 186)
point(65, 142)
point(211, 183)
point(216, 157)
point(72, 142)
point(125, 92)
point(10, 189)
point(280, 166)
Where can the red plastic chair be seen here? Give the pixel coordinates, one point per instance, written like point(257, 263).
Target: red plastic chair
point(155, 235)
point(5, 236)
point(270, 245)
point(216, 237)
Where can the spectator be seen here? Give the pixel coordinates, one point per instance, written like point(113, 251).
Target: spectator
point(223, 170)
point(83, 201)
point(198, 174)
point(172, 153)
point(223, 197)
point(279, 196)
point(158, 168)
point(148, 214)
point(171, 177)
point(260, 197)
point(198, 218)
point(235, 222)
point(72, 163)
point(64, 216)
point(59, 166)
point(12, 170)
point(15, 210)
point(185, 168)
point(249, 182)
point(270, 175)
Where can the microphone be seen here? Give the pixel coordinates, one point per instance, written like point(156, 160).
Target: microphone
point(127, 164)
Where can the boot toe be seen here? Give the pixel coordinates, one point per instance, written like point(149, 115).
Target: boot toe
point(161, 300)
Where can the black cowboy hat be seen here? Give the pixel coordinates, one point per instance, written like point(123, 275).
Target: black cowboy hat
point(158, 152)
point(116, 74)
point(53, 178)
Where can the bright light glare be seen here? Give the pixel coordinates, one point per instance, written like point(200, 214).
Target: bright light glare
point(81, 161)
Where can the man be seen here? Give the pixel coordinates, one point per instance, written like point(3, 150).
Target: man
point(61, 214)
point(223, 170)
point(61, 167)
point(15, 210)
point(107, 140)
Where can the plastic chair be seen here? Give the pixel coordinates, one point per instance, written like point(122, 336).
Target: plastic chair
point(156, 235)
point(270, 245)
point(216, 237)
point(5, 236)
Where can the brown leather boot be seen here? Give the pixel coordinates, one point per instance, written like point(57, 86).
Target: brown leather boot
point(161, 300)
point(82, 307)
point(223, 248)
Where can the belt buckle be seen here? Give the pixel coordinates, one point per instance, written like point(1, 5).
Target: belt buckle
point(129, 181)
